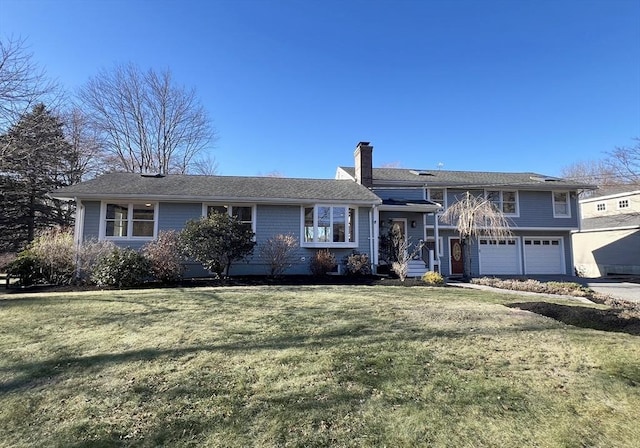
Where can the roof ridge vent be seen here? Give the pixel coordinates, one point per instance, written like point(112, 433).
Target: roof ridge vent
point(155, 175)
point(545, 179)
point(421, 172)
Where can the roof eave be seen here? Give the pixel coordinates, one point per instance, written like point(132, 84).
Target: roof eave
point(178, 198)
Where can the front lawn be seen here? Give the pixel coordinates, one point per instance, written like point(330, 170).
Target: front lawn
point(360, 366)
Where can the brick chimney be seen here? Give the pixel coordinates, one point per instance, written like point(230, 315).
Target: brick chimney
point(364, 164)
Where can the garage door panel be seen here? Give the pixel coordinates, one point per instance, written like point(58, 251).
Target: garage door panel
point(499, 257)
point(543, 256)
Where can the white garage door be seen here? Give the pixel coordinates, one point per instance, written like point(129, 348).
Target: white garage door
point(499, 257)
point(543, 256)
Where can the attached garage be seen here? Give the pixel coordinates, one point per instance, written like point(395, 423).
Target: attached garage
point(544, 255)
point(499, 257)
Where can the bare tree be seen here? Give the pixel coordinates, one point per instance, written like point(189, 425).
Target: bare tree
point(145, 120)
point(207, 166)
point(624, 161)
point(22, 82)
point(405, 252)
point(476, 216)
point(279, 253)
point(619, 170)
point(88, 160)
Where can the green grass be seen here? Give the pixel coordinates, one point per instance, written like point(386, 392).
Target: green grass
point(309, 366)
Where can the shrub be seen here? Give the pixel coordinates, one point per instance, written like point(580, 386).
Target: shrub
point(55, 252)
point(279, 253)
point(165, 257)
point(26, 268)
point(217, 241)
point(121, 268)
point(89, 255)
point(566, 288)
point(433, 278)
point(322, 262)
point(358, 265)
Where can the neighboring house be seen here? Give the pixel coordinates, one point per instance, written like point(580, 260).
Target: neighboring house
point(608, 241)
point(542, 209)
point(352, 213)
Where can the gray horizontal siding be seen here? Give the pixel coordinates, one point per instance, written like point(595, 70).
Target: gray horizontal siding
point(400, 193)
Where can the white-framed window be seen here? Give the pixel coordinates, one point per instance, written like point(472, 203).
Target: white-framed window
point(438, 195)
point(129, 220)
point(601, 206)
point(245, 213)
point(623, 203)
point(329, 226)
point(561, 205)
point(505, 200)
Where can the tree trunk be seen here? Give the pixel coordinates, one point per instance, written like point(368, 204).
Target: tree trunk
point(466, 258)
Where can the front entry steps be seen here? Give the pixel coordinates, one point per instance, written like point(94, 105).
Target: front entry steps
point(417, 268)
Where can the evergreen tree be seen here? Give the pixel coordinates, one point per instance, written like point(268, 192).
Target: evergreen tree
point(35, 163)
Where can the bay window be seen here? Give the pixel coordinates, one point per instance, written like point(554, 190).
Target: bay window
point(129, 220)
point(327, 225)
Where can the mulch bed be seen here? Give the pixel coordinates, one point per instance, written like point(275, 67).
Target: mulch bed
point(289, 280)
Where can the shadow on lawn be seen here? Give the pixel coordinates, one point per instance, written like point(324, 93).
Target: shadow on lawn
point(584, 317)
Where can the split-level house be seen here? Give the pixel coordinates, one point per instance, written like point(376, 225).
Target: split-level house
point(542, 210)
point(352, 213)
point(608, 242)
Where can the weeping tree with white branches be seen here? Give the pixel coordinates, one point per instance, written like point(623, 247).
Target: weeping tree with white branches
point(475, 217)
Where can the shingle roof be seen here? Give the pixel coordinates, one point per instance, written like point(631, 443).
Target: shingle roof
point(184, 187)
point(609, 222)
point(479, 179)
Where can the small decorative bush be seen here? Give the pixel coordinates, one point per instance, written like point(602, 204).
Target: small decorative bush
point(279, 253)
point(358, 265)
point(165, 257)
point(433, 278)
point(322, 262)
point(121, 268)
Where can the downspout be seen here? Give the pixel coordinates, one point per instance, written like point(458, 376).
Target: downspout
point(372, 240)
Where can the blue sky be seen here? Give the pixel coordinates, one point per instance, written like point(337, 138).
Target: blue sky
point(292, 86)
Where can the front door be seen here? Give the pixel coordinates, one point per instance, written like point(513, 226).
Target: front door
point(455, 254)
point(399, 228)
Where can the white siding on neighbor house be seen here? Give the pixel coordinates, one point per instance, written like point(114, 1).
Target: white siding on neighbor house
point(600, 253)
point(611, 205)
